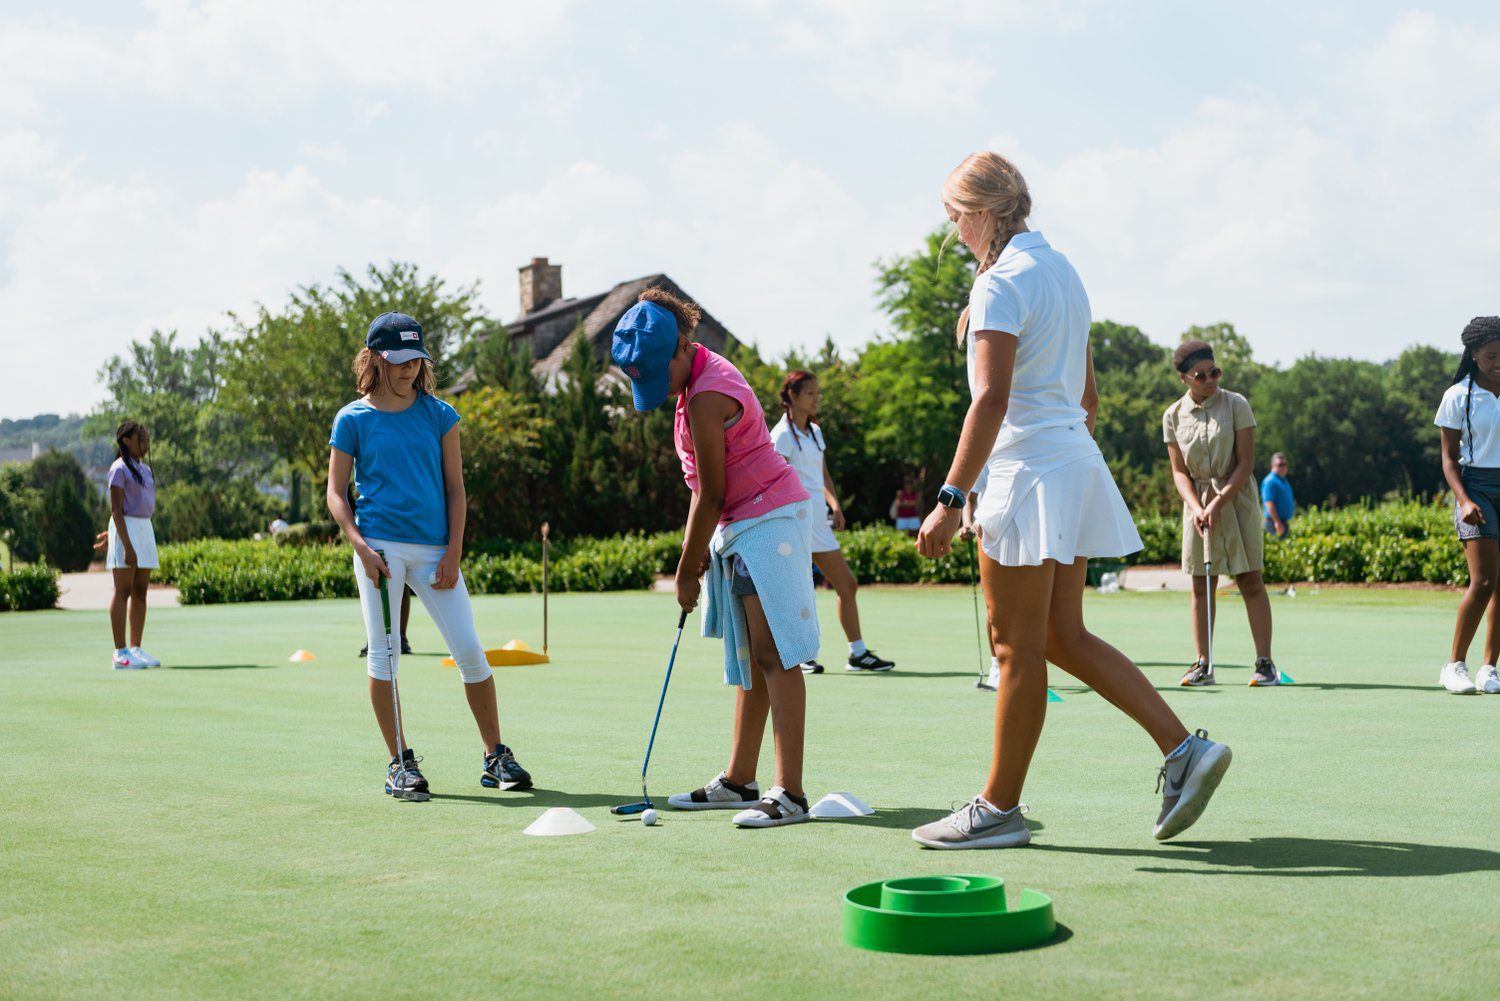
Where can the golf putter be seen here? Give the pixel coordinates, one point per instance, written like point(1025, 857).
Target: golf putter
point(1208, 593)
point(390, 663)
point(983, 682)
point(627, 809)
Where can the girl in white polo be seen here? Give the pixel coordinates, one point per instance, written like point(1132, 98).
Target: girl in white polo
point(1469, 418)
point(799, 438)
point(1050, 504)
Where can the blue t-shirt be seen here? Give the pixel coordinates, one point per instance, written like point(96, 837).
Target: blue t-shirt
point(1279, 492)
point(398, 468)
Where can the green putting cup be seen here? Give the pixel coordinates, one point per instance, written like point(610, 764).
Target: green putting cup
point(944, 916)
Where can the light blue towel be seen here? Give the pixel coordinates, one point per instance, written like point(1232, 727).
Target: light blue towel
point(775, 548)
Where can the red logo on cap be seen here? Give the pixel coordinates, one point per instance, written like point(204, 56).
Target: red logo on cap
point(632, 371)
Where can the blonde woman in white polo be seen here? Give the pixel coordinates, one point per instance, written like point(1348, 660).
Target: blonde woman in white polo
point(1049, 505)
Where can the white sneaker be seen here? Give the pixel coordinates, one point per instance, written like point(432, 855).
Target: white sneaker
point(144, 657)
point(776, 808)
point(1455, 678)
point(719, 794)
point(976, 824)
point(127, 661)
point(994, 681)
point(1488, 681)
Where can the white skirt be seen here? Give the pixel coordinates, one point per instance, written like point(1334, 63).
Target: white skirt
point(822, 539)
point(142, 537)
point(1051, 497)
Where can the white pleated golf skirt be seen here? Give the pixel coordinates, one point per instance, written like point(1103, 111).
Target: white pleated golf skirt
point(1052, 497)
point(142, 537)
point(823, 540)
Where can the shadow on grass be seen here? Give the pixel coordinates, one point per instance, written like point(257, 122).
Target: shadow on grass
point(1304, 857)
point(215, 667)
point(545, 798)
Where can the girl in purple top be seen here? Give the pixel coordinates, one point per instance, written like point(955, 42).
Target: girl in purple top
point(130, 552)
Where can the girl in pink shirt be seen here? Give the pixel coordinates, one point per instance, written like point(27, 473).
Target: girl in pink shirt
point(736, 476)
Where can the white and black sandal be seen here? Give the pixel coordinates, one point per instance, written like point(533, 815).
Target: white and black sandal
point(776, 808)
point(719, 794)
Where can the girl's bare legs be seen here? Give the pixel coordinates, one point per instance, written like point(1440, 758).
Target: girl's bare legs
point(1484, 559)
point(1100, 666)
point(119, 603)
point(1202, 585)
point(385, 713)
point(750, 711)
point(138, 587)
point(1252, 587)
point(836, 570)
point(783, 693)
point(1017, 599)
point(1492, 631)
point(486, 710)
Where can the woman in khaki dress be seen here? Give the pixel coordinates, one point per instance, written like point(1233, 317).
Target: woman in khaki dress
point(1210, 436)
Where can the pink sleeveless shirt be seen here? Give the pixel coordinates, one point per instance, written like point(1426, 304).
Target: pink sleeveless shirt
point(756, 478)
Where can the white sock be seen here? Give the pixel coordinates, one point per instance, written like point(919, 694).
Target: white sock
point(1180, 749)
point(857, 648)
point(994, 663)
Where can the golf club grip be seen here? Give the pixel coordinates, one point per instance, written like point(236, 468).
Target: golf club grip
point(682, 620)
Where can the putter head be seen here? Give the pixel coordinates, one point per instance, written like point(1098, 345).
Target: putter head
point(628, 809)
point(982, 686)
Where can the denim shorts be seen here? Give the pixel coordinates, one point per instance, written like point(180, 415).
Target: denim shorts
point(1483, 487)
point(740, 584)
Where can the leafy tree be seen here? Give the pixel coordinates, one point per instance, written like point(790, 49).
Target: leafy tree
point(501, 436)
point(1120, 347)
point(69, 512)
point(1415, 382)
point(20, 503)
point(290, 371)
point(1332, 419)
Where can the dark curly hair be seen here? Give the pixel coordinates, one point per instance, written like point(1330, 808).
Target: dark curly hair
point(684, 309)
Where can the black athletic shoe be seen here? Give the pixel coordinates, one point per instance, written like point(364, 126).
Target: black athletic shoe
point(364, 651)
point(502, 768)
point(811, 667)
point(404, 780)
point(867, 661)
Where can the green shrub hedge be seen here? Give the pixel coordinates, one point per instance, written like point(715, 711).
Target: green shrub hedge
point(1398, 543)
point(28, 588)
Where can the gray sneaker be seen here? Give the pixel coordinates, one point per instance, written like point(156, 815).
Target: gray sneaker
point(976, 824)
point(1187, 782)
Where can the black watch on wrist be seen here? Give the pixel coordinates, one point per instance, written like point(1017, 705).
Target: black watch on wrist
point(950, 496)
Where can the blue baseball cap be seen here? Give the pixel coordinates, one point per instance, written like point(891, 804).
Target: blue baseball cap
point(644, 342)
point(397, 338)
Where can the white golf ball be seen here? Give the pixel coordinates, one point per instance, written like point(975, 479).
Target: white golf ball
point(649, 818)
point(432, 579)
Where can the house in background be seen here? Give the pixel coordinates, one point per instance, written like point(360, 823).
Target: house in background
point(550, 324)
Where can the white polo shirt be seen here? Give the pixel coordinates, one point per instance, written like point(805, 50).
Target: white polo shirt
point(805, 453)
point(1034, 293)
point(1483, 452)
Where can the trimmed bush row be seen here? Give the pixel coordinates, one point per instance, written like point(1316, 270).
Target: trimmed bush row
point(1394, 543)
point(28, 588)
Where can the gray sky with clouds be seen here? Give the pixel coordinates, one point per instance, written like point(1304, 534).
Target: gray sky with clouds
point(1326, 176)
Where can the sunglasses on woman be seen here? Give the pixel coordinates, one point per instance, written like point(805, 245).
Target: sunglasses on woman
point(1212, 373)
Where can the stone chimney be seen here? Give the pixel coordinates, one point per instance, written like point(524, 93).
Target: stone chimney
point(541, 283)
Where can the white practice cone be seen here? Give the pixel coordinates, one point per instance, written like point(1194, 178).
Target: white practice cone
point(840, 805)
point(558, 821)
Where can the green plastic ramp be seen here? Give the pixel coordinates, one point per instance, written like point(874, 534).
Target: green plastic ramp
point(945, 916)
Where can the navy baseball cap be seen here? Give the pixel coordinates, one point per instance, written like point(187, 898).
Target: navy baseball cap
point(645, 341)
point(397, 338)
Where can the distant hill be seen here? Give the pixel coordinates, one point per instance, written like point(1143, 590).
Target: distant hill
point(53, 431)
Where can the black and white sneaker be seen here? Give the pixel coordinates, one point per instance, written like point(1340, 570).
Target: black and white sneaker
point(403, 780)
point(502, 769)
point(867, 661)
point(719, 794)
point(1265, 674)
point(811, 667)
point(776, 809)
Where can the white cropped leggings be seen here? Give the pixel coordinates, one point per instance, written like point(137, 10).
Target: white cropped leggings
point(413, 564)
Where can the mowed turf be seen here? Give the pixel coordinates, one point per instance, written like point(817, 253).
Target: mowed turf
point(217, 827)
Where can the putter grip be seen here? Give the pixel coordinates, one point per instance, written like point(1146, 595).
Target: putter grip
point(682, 620)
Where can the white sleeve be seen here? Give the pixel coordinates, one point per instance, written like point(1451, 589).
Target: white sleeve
point(1450, 413)
point(781, 440)
point(996, 304)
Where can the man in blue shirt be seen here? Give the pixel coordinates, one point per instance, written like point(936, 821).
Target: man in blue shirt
point(1276, 497)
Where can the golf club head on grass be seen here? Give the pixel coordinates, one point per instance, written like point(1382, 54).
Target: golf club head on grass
point(983, 687)
point(629, 809)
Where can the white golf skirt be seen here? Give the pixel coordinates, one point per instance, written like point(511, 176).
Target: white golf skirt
point(1051, 497)
point(823, 540)
point(142, 537)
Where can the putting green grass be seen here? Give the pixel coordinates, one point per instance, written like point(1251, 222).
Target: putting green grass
point(217, 828)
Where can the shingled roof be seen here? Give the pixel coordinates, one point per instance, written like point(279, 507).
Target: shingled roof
point(552, 330)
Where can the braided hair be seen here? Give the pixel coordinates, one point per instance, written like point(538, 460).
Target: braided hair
point(126, 430)
point(1480, 331)
point(795, 380)
point(988, 182)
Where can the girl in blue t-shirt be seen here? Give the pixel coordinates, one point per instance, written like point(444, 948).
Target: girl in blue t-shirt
point(402, 444)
